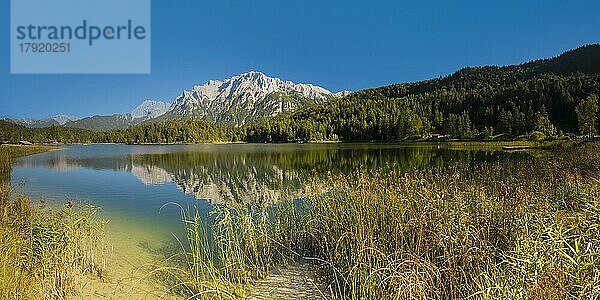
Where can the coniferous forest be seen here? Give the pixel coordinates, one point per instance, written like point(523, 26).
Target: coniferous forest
point(538, 100)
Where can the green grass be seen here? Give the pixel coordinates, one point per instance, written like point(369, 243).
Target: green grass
point(45, 253)
point(514, 229)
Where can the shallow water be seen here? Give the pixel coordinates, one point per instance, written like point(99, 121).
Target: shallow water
point(132, 184)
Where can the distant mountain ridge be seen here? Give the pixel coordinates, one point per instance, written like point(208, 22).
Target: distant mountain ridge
point(239, 100)
point(148, 110)
point(102, 123)
point(47, 122)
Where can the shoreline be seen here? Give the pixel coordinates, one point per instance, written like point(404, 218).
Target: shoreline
point(451, 143)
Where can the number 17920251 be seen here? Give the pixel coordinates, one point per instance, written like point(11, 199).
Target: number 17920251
point(45, 47)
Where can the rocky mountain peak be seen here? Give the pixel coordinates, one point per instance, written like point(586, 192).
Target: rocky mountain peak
point(244, 98)
point(150, 109)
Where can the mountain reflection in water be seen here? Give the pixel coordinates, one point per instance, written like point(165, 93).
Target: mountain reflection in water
point(249, 173)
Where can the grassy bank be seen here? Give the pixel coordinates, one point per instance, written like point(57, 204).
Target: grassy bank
point(524, 229)
point(45, 254)
point(510, 230)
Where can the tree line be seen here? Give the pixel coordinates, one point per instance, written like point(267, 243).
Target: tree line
point(541, 107)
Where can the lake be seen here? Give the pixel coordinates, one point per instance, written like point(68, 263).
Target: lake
point(133, 185)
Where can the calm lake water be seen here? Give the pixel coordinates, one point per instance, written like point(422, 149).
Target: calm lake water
point(132, 183)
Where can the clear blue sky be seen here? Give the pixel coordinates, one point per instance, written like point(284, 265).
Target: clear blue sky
point(340, 45)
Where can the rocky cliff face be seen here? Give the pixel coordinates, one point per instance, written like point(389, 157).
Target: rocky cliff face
point(150, 109)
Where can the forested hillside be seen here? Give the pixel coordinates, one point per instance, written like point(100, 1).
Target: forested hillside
point(535, 97)
point(173, 131)
point(164, 132)
point(13, 133)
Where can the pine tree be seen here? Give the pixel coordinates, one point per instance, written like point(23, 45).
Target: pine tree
point(587, 114)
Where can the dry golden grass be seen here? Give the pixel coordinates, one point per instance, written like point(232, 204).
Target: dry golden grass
point(514, 229)
point(43, 253)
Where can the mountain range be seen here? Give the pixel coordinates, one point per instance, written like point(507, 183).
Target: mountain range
point(239, 100)
point(146, 111)
point(245, 98)
point(47, 122)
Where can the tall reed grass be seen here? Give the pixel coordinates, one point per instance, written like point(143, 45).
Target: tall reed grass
point(45, 253)
point(513, 229)
point(229, 248)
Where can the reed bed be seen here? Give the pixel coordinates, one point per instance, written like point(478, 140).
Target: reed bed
point(45, 253)
point(524, 229)
point(229, 248)
point(512, 229)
